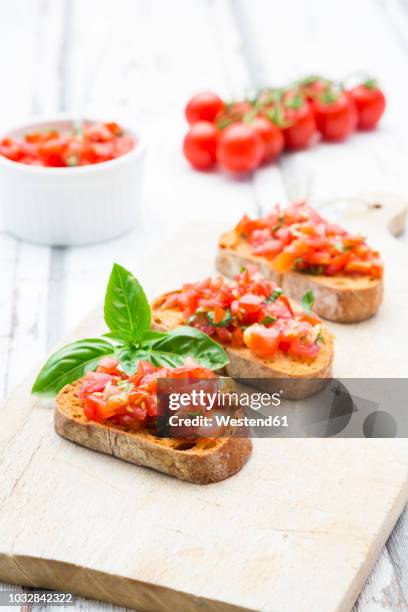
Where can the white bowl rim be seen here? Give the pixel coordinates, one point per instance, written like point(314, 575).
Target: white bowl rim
point(36, 120)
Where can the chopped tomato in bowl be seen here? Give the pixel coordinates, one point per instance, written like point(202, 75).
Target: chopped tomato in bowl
point(299, 239)
point(251, 312)
point(76, 145)
point(65, 183)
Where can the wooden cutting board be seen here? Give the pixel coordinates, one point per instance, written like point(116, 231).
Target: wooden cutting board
point(299, 528)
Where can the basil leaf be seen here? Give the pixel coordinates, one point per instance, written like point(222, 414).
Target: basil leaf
point(126, 310)
point(121, 337)
point(161, 358)
point(129, 358)
point(224, 322)
point(320, 338)
point(152, 336)
point(70, 363)
point(268, 320)
point(191, 342)
point(274, 295)
point(308, 301)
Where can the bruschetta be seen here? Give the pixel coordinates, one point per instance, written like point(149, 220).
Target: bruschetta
point(301, 251)
point(107, 395)
point(113, 413)
point(268, 337)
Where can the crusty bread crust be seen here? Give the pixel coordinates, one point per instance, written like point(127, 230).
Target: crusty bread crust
point(201, 463)
point(297, 379)
point(344, 299)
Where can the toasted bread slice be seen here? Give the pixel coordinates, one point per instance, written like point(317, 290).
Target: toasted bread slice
point(345, 299)
point(297, 379)
point(198, 462)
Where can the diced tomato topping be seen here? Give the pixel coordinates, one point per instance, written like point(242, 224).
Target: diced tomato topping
point(108, 365)
point(263, 341)
point(92, 143)
point(130, 401)
point(227, 311)
point(269, 248)
point(305, 350)
point(250, 302)
point(95, 382)
point(298, 238)
point(283, 262)
point(219, 314)
point(92, 404)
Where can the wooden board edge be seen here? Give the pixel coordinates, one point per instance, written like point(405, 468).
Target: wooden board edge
point(43, 573)
point(367, 565)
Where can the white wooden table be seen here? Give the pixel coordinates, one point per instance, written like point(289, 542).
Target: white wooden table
point(142, 59)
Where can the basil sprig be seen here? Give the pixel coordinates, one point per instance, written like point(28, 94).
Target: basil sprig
point(130, 339)
point(308, 301)
point(70, 363)
point(126, 310)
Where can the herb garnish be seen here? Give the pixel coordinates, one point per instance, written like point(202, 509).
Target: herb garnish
point(130, 339)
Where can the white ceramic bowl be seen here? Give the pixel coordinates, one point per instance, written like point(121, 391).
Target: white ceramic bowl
point(70, 206)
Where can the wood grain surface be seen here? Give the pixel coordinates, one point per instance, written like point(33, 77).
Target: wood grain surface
point(311, 518)
point(143, 59)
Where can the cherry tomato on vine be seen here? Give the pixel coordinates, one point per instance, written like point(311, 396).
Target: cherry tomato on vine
point(200, 144)
point(240, 148)
point(312, 86)
point(233, 112)
point(370, 104)
point(335, 115)
point(204, 106)
point(237, 110)
point(271, 137)
point(300, 122)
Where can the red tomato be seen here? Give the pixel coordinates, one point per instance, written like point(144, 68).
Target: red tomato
point(233, 313)
point(298, 238)
point(269, 248)
point(200, 145)
point(240, 148)
point(237, 110)
point(94, 382)
point(263, 341)
point(204, 106)
point(271, 137)
point(104, 151)
point(114, 128)
point(360, 267)
point(370, 103)
point(336, 116)
point(92, 406)
point(52, 152)
point(283, 262)
point(97, 132)
point(123, 144)
point(304, 350)
point(250, 302)
point(301, 126)
point(11, 149)
point(90, 144)
point(108, 365)
point(312, 86)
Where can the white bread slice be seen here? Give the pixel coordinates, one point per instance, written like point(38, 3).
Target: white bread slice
point(344, 299)
point(297, 379)
point(203, 462)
